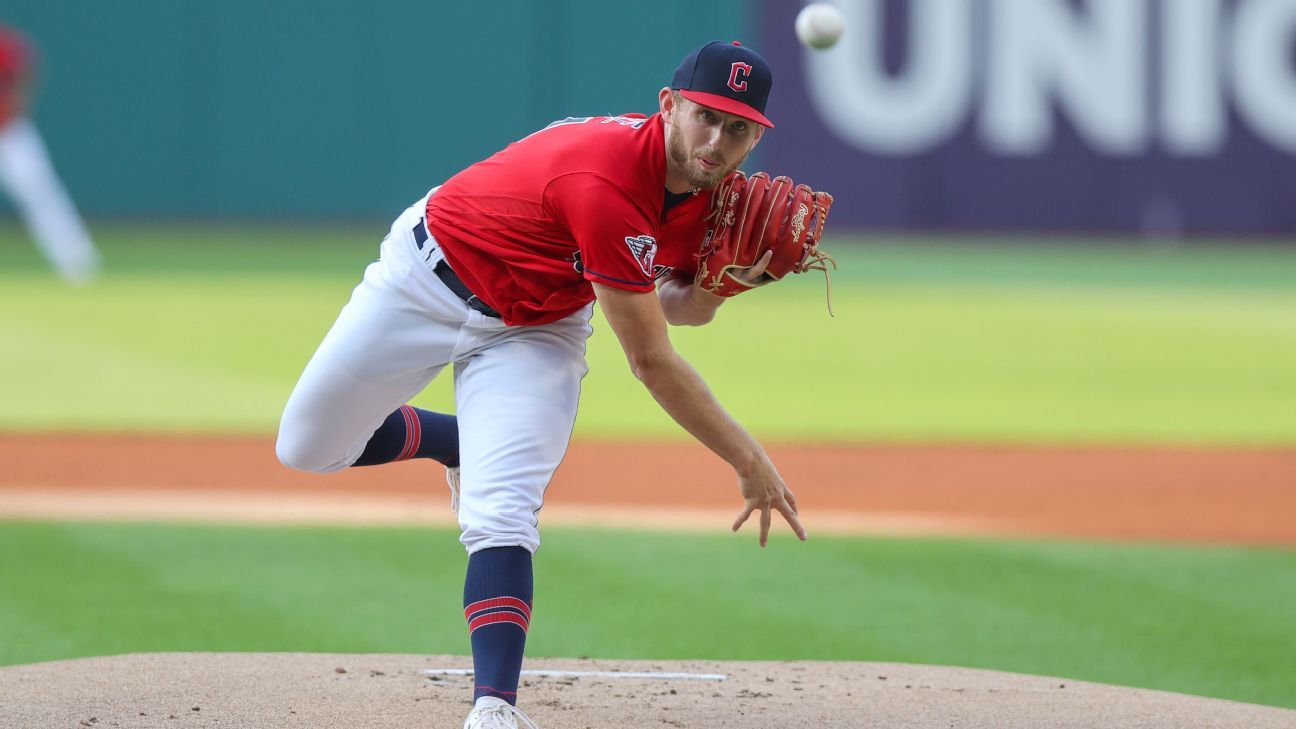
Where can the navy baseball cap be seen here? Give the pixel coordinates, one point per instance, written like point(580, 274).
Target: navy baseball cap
point(728, 77)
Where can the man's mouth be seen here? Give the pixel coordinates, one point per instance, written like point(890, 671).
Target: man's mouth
point(708, 164)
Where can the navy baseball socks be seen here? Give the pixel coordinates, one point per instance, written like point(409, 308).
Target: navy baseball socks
point(497, 605)
point(411, 432)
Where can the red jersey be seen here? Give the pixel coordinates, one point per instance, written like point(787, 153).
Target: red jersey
point(581, 200)
point(15, 65)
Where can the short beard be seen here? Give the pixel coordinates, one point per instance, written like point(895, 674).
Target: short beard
point(697, 178)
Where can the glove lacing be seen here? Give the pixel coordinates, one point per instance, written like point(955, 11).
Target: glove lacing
point(817, 260)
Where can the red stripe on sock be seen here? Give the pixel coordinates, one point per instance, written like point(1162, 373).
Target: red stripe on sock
point(413, 433)
point(404, 446)
point(496, 602)
point(500, 617)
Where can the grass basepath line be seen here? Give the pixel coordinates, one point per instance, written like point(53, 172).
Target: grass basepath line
point(350, 509)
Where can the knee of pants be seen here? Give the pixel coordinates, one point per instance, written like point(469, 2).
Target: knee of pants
point(297, 453)
point(499, 531)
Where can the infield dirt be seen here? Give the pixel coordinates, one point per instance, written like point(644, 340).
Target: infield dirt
point(1243, 496)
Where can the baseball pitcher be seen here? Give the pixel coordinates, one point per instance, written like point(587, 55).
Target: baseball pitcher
point(496, 272)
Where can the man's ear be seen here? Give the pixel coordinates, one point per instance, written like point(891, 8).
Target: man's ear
point(760, 132)
point(666, 103)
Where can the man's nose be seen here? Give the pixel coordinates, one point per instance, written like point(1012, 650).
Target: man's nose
point(716, 137)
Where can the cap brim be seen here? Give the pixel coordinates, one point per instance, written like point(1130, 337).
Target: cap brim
point(727, 105)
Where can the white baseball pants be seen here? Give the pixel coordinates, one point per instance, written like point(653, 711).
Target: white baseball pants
point(516, 388)
point(29, 179)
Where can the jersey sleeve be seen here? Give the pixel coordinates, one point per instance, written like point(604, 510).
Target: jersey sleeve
point(616, 237)
point(16, 55)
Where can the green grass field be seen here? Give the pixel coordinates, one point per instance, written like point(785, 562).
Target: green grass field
point(207, 329)
point(204, 330)
point(1214, 622)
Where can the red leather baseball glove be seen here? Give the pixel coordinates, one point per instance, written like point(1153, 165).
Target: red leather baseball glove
point(756, 214)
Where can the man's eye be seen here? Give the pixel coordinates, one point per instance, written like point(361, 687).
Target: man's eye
point(739, 127)
point(708, 116)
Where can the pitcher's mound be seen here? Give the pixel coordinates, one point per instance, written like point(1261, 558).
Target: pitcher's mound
point(313, 691)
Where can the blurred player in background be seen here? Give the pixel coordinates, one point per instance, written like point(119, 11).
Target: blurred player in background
point(26, 174)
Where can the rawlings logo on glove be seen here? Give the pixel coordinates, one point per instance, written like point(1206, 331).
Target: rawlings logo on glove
point(753, 216)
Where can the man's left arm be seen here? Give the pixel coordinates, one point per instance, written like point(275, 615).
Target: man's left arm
point(686, 304)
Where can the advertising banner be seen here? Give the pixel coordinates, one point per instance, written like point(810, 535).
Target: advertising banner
point(1157, 117)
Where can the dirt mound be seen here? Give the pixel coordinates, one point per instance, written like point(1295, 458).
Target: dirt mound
point(288, 690)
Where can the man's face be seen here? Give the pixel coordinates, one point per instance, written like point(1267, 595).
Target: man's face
point(704, 144)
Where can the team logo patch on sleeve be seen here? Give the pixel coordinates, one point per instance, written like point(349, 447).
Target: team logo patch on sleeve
point(643, 248)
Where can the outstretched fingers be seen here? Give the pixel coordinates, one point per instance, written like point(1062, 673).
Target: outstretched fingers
point(742, 518)
point(785, 507)
point(788, 510)
point(791, 499)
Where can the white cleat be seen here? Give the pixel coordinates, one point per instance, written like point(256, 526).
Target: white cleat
point(452, 480)
point(493, 713)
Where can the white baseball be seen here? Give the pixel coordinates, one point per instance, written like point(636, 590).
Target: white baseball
point(819, 25)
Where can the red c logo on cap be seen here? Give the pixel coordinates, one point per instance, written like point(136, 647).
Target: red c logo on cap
point(738, 68)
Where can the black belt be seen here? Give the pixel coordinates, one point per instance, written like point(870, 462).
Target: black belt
point(451, 279)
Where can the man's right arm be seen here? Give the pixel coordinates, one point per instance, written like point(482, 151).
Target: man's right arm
point(640, 325)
